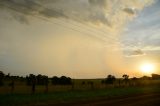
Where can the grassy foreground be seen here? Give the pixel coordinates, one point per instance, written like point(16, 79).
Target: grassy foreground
point(70, 96)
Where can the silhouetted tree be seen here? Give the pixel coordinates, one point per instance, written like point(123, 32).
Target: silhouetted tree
point(126, 78)
point(37, 80)
point(7, 77)
point(31, 80)
point(145, 78)
point(63, 80)
point(110, 79)
point(40, 80)
point(28, 80)
point(155, 76)
point(1, 78)
point(55, 80)
point(45, 78)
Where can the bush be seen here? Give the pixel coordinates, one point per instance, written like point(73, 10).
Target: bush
point(63, 80)
point(109, 80)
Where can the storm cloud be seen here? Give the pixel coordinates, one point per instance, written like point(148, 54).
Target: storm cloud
point(105, 12)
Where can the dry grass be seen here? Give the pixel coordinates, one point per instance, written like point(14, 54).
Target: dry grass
point(21, 87)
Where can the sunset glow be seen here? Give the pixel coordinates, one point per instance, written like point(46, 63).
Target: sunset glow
point(147, 68)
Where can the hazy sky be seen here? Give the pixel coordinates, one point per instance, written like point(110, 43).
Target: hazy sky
point(79, 38)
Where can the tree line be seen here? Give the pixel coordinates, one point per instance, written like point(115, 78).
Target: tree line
point(37, 79)
point(34, 80)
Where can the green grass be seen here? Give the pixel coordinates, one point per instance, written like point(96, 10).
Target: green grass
point(68, 96)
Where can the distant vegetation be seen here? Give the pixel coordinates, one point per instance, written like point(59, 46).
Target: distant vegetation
point(33, 89)
point(42, 83)
point(109, 80)
point(63, 80)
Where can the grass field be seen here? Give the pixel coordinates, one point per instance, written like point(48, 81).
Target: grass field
point(23, 99)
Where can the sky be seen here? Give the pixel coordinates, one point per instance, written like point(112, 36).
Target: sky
point(79, 38)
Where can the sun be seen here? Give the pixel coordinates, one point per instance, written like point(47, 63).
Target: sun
point(147, 68)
